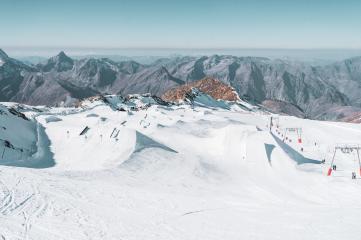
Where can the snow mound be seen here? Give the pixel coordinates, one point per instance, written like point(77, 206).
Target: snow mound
point(132, 102)
point(293, 154)
point(52, 119)
point(23, 143)
point(201, 99)
point(92, 115)
point(144, 142)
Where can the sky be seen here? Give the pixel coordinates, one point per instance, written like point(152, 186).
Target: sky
point(187, 24)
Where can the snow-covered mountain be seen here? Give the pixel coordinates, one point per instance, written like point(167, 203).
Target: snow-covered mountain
point(281, 107)
point(316, 90)
point(137, 167)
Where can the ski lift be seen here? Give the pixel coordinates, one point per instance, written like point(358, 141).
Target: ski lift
point(345, 149)
point(274, 121)
point(298, 131)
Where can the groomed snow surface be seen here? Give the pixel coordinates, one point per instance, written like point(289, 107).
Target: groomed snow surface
point(176, 173)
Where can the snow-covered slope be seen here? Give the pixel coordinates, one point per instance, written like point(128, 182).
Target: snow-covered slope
point(22, 140)
point(131, 168)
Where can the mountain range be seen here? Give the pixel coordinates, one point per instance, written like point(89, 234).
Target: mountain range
point(329, 92)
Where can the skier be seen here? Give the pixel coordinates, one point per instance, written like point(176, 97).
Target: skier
point(334, 167)
point(353, 175)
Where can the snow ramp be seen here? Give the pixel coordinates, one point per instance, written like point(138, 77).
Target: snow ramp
point(294, 154)
point(144, 142)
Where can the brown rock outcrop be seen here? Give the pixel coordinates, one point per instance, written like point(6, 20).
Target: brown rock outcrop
point(213, 87)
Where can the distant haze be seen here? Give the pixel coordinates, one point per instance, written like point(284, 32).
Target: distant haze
point(310, 55)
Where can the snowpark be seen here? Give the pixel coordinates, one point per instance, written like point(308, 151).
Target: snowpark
point(143, 170)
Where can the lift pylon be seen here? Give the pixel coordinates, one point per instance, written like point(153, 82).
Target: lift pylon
point(274, 122)
point(298, 131)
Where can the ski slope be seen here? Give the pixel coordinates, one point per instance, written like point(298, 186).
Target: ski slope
point(175, 172)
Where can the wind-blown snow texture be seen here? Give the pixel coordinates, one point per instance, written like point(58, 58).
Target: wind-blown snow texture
point(149, 171)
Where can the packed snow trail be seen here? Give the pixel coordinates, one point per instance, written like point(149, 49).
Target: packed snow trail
point(180, 173)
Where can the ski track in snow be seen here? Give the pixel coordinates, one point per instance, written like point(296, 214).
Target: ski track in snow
point(217, 182)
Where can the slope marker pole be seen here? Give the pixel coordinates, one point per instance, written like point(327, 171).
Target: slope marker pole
point(359, 162)
point(333, 159)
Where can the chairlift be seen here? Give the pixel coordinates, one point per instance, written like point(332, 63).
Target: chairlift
point(345, 150)
point(294, 130)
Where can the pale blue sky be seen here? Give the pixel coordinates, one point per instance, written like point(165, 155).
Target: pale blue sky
point(181, 24)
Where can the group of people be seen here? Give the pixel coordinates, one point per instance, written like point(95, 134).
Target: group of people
point(353, 174)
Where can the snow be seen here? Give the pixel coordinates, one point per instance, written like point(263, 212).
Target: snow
point(10, 127)
point(176, 172)
point(52, 119)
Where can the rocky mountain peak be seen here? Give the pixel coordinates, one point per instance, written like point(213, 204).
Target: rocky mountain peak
point(3, 55)
point(62, 56)
point(59, 63)
point(213, 87)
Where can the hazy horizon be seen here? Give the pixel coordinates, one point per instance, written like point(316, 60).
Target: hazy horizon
point(292, 54)
point(304, 30)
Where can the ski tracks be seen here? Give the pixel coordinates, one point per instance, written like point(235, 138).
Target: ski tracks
point(7, 199)
point(35, 210)
point(21, 199)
